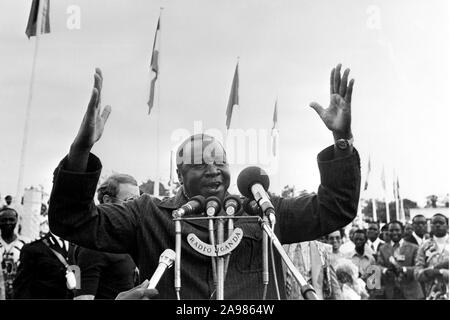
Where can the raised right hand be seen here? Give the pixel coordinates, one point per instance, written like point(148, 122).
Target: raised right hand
point(93, 123)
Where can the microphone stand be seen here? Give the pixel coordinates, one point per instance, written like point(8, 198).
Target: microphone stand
point(307, 290)
point(265, 259)
point(220, 262)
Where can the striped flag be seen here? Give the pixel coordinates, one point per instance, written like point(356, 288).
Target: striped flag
point(33, 18)
point(234, 96)
point(366, 183)
point(154, 66)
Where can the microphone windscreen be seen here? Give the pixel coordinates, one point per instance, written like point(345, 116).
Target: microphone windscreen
point(201, 200)
point(251, 207)
point(250, 176)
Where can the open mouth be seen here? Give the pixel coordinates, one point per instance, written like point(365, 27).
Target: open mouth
point(213, 185)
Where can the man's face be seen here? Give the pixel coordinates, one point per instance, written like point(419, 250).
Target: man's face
point(359, 239)
point(335, 240)
point(205, 171)
point(420, 226)
point(395, 232)
point(408, 229)
point(127, 191)
point(439, 226)
point(8, 221)
point(373, 231)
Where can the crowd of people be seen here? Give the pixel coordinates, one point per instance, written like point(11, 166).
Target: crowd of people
point(368, 264)
point(109, 250)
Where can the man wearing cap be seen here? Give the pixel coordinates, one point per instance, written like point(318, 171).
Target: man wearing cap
point(144, 227)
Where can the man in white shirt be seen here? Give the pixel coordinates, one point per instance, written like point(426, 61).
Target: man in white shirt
point(373, 239)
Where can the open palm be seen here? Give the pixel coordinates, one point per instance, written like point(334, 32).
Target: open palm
point(337, 117)
point(94, 120)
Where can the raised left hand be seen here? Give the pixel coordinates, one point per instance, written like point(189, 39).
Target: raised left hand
point(337, 117)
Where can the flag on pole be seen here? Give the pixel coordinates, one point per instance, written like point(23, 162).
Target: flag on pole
point(275, 115)
point(402, 210)
point(366, 183)
point(154, 66)
point(275, 130)
point(397, 205)
point(33, 18)
point(383, 184)
point(234, 96)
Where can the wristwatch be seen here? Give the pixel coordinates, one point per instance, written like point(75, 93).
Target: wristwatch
point(344, 144)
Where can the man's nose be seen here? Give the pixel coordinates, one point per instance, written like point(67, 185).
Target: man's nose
point(212, 170)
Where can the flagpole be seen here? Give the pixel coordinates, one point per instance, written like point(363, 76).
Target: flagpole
point(157, 176)
point(28, 109)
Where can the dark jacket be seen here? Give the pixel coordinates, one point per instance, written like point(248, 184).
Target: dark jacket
point(407, 284)
point(144, 227)
point(40, 274)
point(104, 275)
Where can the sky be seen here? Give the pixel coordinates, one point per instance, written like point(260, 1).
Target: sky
point(398, 53)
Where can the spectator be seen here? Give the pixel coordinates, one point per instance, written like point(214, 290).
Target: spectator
point(408, 230)
point(397, 259)
point(335, 240)
point(419, 224)
point(373, 239)
point(8, 200)
point(360, 256)
point(104, 275)
point(43, 269)
point(312, 259)
point(385, 233)
point(10, 245)
point(432, 260)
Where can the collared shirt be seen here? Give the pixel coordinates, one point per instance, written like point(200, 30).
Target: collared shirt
point(362, 261)
point(374, 245)
point(418, 239)
point(396, 247)
point(144, 227)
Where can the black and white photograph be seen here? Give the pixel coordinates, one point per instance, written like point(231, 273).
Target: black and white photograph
point(213, 150)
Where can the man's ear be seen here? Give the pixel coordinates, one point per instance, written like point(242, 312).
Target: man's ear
point(107, 199)
point(180, 177)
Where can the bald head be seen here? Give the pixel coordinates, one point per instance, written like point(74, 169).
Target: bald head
point(202, 166)
point(200, 148)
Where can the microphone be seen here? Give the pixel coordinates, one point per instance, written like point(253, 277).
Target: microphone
point(166, 260)
point(213, 206)
point(252, 183)
point(195, 204)
point(251, 207)
point(232, 205)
